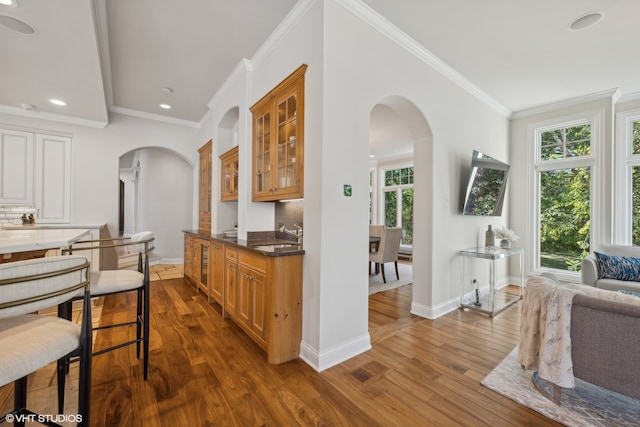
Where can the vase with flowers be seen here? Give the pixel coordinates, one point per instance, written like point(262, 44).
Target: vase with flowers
point(506, 236)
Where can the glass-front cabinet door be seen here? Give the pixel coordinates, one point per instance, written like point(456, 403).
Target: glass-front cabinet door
point(278, 132)
point(229, 178)
point(287, 137)
point(262, 183)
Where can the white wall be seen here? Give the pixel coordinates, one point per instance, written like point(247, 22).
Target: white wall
point(95, 168)
point(165, 206)
point(361, 68)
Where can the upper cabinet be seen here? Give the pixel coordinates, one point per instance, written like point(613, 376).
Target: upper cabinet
point(35, 170)
point(53, 179)
point(16, 167)
point(229, 178)
point(278, 141)
point(204, 187)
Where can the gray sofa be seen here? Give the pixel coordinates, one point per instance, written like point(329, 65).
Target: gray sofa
point(605, 339)
point(590, 269)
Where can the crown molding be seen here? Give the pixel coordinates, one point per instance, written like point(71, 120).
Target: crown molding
point(243, 68)
point(53, 117)
point(381, 24)
point(156, 117)
point(629, 97)
point(613, 94)
point(282, 30)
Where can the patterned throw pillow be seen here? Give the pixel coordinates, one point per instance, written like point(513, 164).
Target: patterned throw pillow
point(618, 267)
point(626, 292)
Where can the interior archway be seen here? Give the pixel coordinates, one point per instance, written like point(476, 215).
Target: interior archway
point(399, 133)
point(154, 181)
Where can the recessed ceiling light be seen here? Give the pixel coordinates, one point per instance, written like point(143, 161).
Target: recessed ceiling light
point(165, 106)
point(166, 90)
point(371, 156)
point(58, 102)
point(12, 3)
point(586, 20)
point(16, 25)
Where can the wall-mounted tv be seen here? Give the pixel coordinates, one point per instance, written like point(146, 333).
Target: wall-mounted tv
point(487, 185)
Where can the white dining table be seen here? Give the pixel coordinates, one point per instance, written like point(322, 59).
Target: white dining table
point(36, 239)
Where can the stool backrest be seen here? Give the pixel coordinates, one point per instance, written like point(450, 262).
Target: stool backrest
point(31, 285)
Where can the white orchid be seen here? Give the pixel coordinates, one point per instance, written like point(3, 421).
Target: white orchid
point(504, 233)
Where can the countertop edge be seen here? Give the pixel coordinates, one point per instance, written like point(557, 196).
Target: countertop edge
point(243, 244)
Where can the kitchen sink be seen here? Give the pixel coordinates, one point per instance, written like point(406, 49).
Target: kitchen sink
point(277, 245)
point(273, 246)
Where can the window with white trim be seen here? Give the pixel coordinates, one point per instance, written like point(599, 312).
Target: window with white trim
point(397, 201)
point(565, 179)
point(627, 224)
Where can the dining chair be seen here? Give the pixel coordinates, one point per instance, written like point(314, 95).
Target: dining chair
point(387, 250)
point(112, 282)
point(375, 230)
point(30, 341)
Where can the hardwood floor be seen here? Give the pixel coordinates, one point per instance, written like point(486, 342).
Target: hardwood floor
point(205, 371)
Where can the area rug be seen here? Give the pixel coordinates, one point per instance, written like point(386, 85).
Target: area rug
point(405, 271)
point(586, 405)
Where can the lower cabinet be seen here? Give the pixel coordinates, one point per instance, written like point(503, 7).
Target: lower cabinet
point(230, 283)
point(216, 275)
point(263, 295)
point(189, 258)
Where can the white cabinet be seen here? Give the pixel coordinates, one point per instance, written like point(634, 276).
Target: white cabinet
point(35, 171)
point(16, 167)
point(52, 178)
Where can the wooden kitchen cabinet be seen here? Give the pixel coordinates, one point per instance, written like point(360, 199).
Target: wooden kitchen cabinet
point(216, 268)
point(204, 187)
point(230, 283)
point(252, 295)
point(202, 257)
point(229, 178)
point(278, 141)
point(264, 297)
point(189, 258)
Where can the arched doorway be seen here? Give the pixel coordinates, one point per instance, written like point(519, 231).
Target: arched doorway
point(401, 173)
point(154, 197)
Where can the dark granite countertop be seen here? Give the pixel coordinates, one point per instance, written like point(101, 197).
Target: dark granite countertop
point(269, 243)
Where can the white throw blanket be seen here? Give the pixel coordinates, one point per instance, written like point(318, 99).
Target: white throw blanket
point(545, 331)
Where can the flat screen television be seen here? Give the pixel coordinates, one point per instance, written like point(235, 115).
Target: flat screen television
point(486, 186)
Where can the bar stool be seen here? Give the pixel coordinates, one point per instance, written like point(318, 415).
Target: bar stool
point(31, 341)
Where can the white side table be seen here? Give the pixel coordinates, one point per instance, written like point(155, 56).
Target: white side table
point(496, 299)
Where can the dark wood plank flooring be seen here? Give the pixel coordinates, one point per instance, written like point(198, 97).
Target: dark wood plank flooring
point(205, 371)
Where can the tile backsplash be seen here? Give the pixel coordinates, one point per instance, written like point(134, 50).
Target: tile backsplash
point(12, 214)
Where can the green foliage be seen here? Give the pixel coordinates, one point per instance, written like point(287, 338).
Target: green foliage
point(565, 203)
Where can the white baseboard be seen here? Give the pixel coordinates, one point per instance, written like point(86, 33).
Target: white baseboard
point(336, 355)
point(433, 312)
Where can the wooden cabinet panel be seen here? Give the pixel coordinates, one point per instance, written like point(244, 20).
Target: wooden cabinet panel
point(231, 283)
point(229, 178)
point(251, 302)
point(189, 261)
point(204, 187)
point(216, 281)
point(278, 141)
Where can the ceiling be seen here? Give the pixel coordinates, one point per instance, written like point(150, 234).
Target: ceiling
point(117, 55)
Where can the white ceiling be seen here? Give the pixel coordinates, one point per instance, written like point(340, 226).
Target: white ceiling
point(116, 55)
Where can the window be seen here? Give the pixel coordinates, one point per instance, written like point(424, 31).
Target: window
point(397, 198)
point(627, 225)
point(564, 191)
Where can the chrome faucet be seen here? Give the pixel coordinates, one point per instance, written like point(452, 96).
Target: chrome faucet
point(297, 232)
